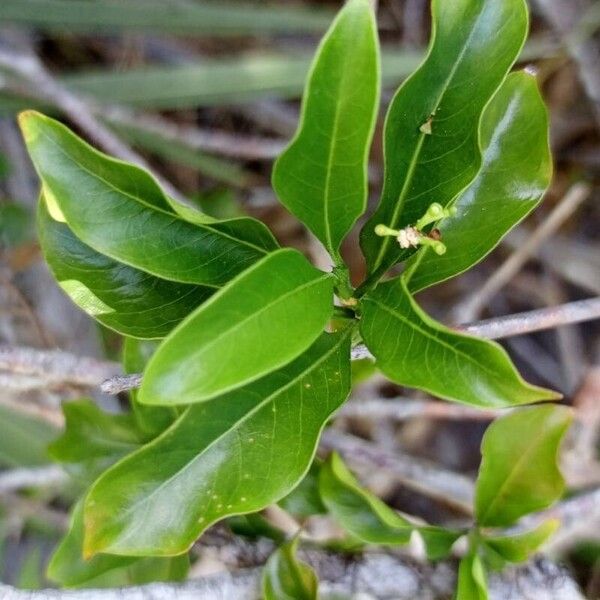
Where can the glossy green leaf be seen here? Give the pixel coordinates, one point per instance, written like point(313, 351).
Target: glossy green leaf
point(414, 350)
point(472, 579)
point(119, 210)
point(515, 172)
point(432, 126)
point(262, 320)
point(24, 439)
point(120, 297)
point(233, 455)
point(357, 510)
point(94, 436)
point(152, 420)
point(287, 578)
point(322, 176)
point(519, 472)
point(519, 547)
point(68, 568)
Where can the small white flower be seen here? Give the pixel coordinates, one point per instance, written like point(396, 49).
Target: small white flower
point(408, 237)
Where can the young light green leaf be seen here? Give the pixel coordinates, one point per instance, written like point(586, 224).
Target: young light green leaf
point(287, 578)
point(370, 520)
point(125, 299)
point(68, 568)
point(515, 173)
point(519, 472)
point(448, 94)
point(472, 579)
point(322, 176)
point(438, 540)
point(260, 321)
point(152, 420)
point(94, 436)
point(119, 210)
point(357, 510)
point(519, 547)
point(233, 455)
point(414, 350)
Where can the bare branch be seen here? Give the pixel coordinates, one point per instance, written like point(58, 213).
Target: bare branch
point(28, 67)
point(195, 138)
point(373, 575)
point(56, 366)
point(402, 409)
point(535, 320)
point(34, 477)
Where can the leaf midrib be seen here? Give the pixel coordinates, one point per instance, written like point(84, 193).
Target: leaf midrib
point(223, 334)
point(151, 207)
point(522, 457)
point(234, 426)
point(437, 340)
point(413, 163)
point(332, 149)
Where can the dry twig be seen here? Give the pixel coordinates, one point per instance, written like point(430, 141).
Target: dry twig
point(29, 67)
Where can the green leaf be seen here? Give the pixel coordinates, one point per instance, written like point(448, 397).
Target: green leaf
point(24, 439)
point(473, 45)
point(305, 500)
point(370, 520)
point(152, 420)
point(414, 350)
point(322, 176)
point(287, 578)
point(213, 82)
point(519, 472)
point(93, 436)
point(119, 210)
point(262, 320)
point(68, 568)
point(120, 297)
point(110, 16)
point(516, 170)
point(519, 547)
point(472, 579)
point(30, 571)
point(233, 455)
point(357, 510)
point(438, 540)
